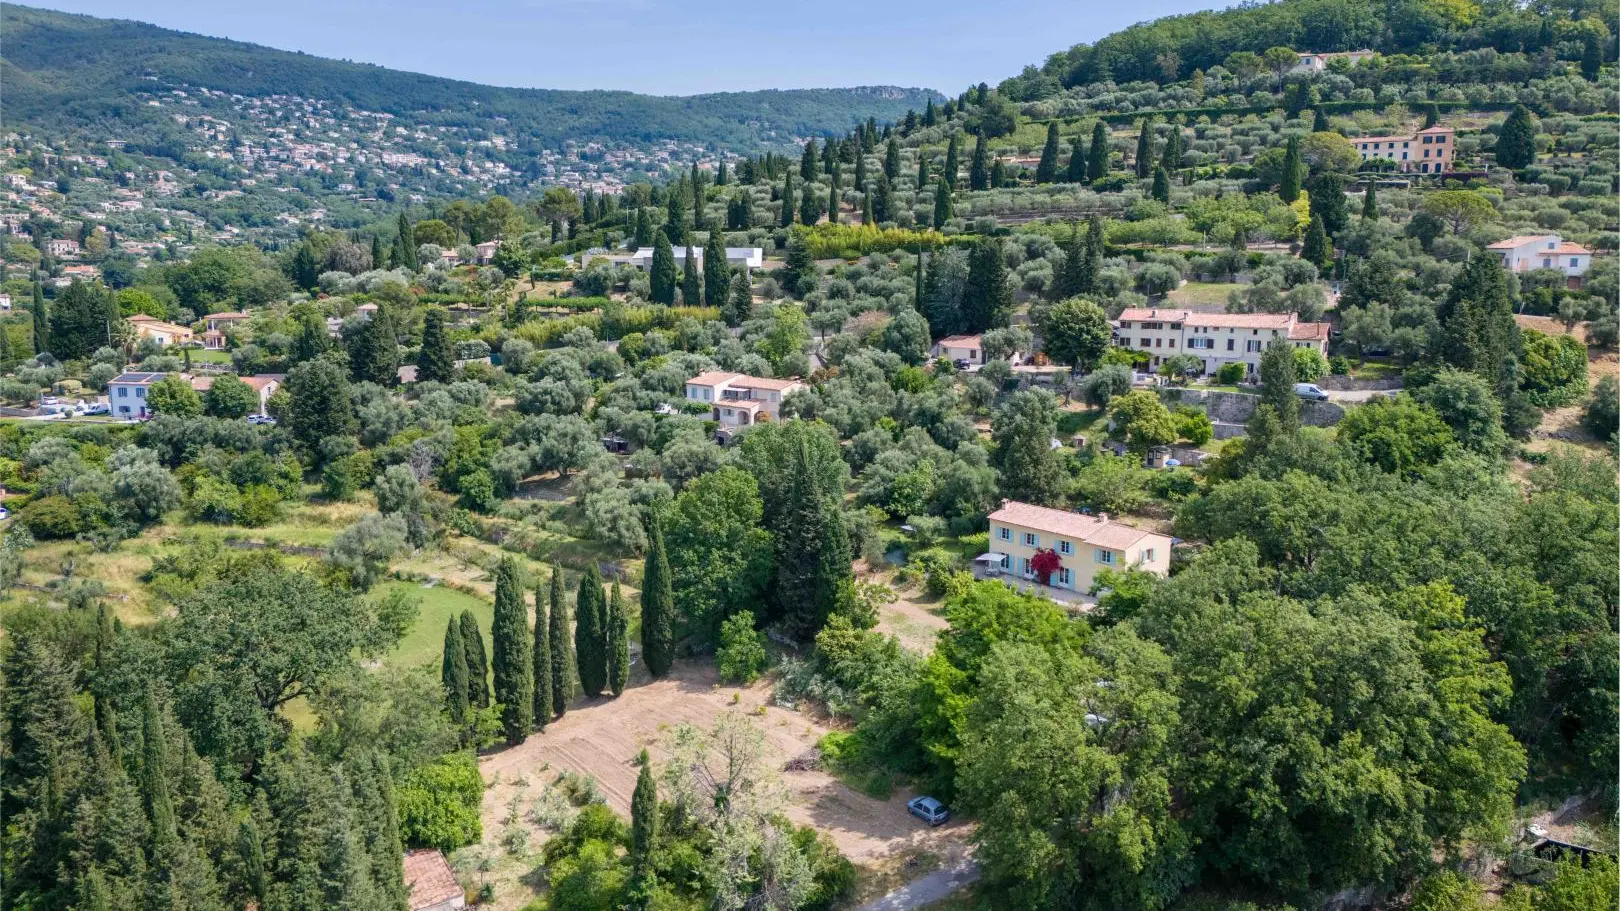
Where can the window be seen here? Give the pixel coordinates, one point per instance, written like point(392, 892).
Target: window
point(1023, 567)
point(1439, 140)
point(1200, 344)
point(1546, 262)
point(1425, 153)
point(1574, 260)
point(1252, 345)
point(1064, 547)
point(1105, 557)
point(1427, 140)
point(123, 392)
point(140, 392)
point(1006, 562)
point(1147, 555)
point(1065, 576)
point(1031, 539)
point(1230, 343)
point(1005, 534)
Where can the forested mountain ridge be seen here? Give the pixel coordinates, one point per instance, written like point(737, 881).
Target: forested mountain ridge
point(67, 71)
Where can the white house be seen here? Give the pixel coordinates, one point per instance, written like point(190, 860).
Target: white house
point(1310, 62)
point(126, 394)
point(1218, 338)
point(736, 257)
point(163, 333)
point(1544, 251)
point(61, 246)
point(1083, 544)
point(738, 399)
point(968, 348)
point(5, 302)
point(264, 384)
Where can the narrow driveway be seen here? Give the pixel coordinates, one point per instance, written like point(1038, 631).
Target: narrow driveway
point(1358, 396)
point(927, 889)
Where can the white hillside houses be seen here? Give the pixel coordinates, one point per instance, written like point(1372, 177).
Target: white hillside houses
point(736, 257)
point(1217, 338)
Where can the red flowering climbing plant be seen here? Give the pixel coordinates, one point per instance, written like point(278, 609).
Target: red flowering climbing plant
point(1045, 563)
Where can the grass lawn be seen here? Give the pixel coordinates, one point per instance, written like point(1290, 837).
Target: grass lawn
point(1374, 370)
point(424, 643)
point(210, 356)
point(1073, 422)
point(1202, 295)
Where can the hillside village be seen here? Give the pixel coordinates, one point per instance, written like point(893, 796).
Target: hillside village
point(1165, 480)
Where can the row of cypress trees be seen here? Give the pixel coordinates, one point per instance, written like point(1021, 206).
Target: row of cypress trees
point(538, 672)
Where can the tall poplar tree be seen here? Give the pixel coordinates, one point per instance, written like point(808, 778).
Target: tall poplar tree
point(657, 603)
point(540, 651)
point(1097, 155)
point(436, 362)
point(472, 642)
point(590, 639)
point(1046, 171)
point(618, 642)
point(662, 275)
point(454, 672)
point(979, 169)
point(513, 664)
point(564, 665)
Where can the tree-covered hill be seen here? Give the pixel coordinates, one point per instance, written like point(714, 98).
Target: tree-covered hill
point(66, 71)
point(1172, 48)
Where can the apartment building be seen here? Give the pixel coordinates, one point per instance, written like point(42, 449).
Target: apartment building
point(1083, 544)
point(739, 400)
point(1431, 151)
point(1217, 338)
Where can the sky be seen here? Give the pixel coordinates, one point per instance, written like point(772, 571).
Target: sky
point(661, 47)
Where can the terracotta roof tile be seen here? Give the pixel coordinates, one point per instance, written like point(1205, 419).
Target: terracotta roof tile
point(430, 879)
point(1090, 529)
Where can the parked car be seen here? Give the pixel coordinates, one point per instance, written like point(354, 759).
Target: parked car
point(928, 810)
point(962, 363)
point(264, 419)
point(96, 408)
point(1310, 391)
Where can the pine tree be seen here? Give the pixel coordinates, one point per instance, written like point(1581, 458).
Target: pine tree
point(590, 639)
point(472, 642)
point(716, 280)
point(952, 164)
point(1316, 249)
point(979, 169)
point(691, 280)
point(942, 204)
point(998, 174)
point(987, 298)
point(454, 673)
point(1320, 124)
point(513, 664)
point(618, 642)
point(1046, 170)
point(436, 362)
point(540, 652)
point(657, 603)
point(564, 670)
point(1097, 158)
point(1369, 201)
point(1075, 172)
point(1161, 185)
point(1293, 172)
point(1144, 149)
point(1477, 331)
point(662, 275)
point(1516, 145)
point(42, 331)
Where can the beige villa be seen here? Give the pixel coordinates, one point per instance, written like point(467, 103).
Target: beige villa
point(1083, 545)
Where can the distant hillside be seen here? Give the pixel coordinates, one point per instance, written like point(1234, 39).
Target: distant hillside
point(73, 72)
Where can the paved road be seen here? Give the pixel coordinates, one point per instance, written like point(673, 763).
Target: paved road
point(927, 889)
point(1357, 396)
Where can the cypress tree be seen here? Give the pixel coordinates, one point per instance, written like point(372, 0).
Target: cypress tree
point(700, 222)
point(250, 852)
point(1477, 332)
point(657, 603)
point(305, 271)
point(1161, 185)
point(435, 362)
point(540, 651)
point(1046, 170)
point(998, 174)
point(590, 640)
point(154, 774)
point(386, 846)
point(405, 251)
point(1076, 169)
point(721, 178)
point(786, 219)
point(106, 716)
point(809, 207)
point(891, 159)
point(922, 168)
point(987, 297)
point(1316, 250)
point(42, 330)
point(1097, 157)
point(1369, 201)
point(1591, 58)
point(94, 894)
point(1516, 145)
point(618, 642)
point(1071, 279)
point(979, 169)
point(1144, 149)
point(740, 302)
point(866, 208)
point(1278, 373)
point(952, 163)
point(454, 672)
point(860, 171)
point(808, 541)
point(1328, 202)
point(1171, 159)
point(1096, 239)
point(663, 278)
point(643, 820)
point(513, 664)
point(691, 280)
point(942, 204)
point(472, 643)
point(563, 669)
point(832, 200)
point(675, 213)
point(1293, 172)
point(930, 114)
point(1320, 123)
point(716, 281)
point(644, 229)
point(883, 200)
point(809, 164)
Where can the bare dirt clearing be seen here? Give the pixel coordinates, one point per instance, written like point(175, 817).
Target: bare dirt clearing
point(602, 738)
